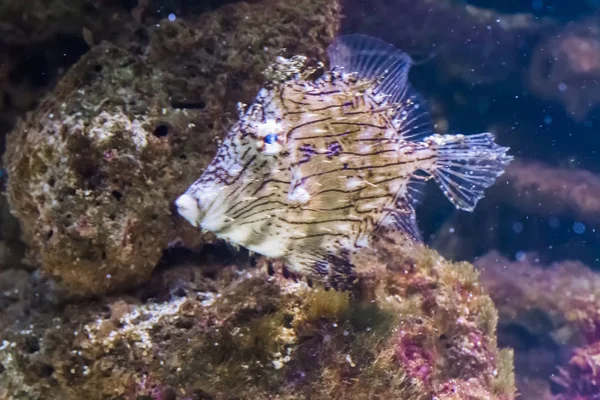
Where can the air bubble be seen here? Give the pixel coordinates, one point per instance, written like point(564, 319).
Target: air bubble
point(517, 227)
point(579, 228)
point(554, 222)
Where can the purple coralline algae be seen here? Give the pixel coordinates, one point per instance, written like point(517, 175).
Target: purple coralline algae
point(556, 306)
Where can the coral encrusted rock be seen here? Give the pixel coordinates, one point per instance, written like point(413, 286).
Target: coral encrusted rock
point(416, 328)
point(551, 315)
point(93, 170)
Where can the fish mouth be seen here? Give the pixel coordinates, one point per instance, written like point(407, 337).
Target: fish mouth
point(188, 207)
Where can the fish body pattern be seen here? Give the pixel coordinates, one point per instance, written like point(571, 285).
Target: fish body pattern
point(315, 167)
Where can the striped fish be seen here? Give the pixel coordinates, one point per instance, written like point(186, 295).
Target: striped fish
point(315, 166)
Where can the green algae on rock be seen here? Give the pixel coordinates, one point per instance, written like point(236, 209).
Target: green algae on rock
point(417, 327)
point(93, 169)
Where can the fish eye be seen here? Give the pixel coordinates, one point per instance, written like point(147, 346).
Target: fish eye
point(270, 138)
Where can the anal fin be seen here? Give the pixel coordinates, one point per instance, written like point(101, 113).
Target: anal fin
point(402, 218)
point(416, 187)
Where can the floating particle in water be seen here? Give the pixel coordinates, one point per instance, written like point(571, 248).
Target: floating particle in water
point(520, 256)
point(548, 119)
point(554, 222)
point(517, 227)
point(172, 17)
point(579, 228)
point(562, 87)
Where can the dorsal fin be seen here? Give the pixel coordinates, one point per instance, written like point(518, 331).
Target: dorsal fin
point(371, 58)
point(412, 120)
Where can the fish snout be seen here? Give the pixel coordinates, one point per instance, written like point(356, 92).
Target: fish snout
point(188, 207)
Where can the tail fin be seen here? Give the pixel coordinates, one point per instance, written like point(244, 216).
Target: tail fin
point(467, 165)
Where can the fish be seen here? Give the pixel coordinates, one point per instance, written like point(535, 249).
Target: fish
point(323, 159)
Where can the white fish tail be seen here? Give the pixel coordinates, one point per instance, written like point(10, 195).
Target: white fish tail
point(467, 165)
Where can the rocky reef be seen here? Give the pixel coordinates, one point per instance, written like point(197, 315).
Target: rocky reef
point(550, 315)
point(116, 106)
point(129, 302)
point(417, 327)
point(92, 171)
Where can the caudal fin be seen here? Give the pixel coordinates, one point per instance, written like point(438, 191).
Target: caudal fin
point(467, 165)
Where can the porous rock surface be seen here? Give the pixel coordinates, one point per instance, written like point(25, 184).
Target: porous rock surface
point(417, 327)
point(94, 169)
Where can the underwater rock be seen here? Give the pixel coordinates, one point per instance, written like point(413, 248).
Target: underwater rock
point(552, 315)
point(93, 170)
point(418, 327)
point(39, 39)
point(580, 378)
point(565, 67)
point(544, 190)
point(534, 292)
point(86, 175)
